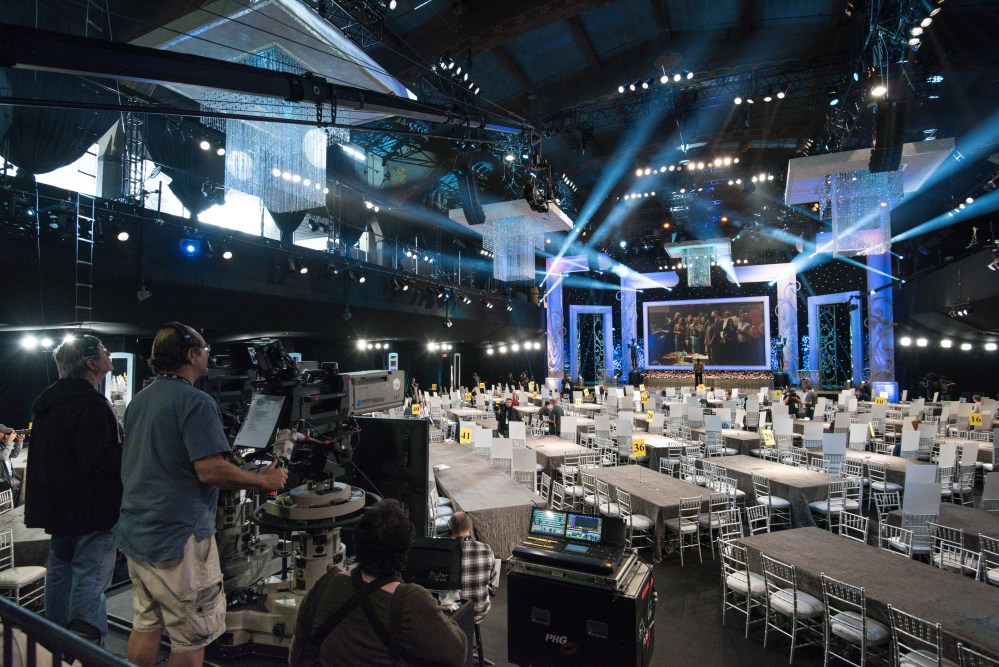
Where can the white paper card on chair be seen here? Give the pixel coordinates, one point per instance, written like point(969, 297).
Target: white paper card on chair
point(712, 423)
point(948, 455)
point(991, 487)
point(969, 455)
point(518, 431)
point(921, 474)
point(834, 443)
point(921, 498)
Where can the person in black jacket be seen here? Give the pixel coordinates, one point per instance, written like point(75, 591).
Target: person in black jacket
point(75, 490)
point(506, 413)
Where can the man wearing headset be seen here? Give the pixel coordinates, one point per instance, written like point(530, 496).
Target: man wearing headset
point(174, 464)
point(75, 489)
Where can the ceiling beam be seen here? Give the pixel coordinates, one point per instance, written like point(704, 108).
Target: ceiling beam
point(579, 32)
point(480, 31)
point(659, 10)
point(507, 60)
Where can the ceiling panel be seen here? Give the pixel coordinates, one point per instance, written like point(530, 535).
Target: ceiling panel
point(548, 53)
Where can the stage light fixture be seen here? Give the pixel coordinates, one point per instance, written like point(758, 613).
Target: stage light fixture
point(664, 79)
point(489, 351)
point(29, 342)
point(833, 97)
point(226, 252)
point(769, 96)
point(633, 86)
point(122, 235)
point(688, 74)
point(905, 341)
point(990, 347)
point(880, 90)
point(965, 346)
point(646, 84)
point(205, 145)
point(190, 247)
point(677, 77)
point(509, 307)
point(448, 323)
point(921, 342)
point(946, 343)
point(620, 89)
point(737, 100)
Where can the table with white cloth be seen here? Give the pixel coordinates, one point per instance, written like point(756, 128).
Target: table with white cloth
point(966, 609)
point(797, 485)
point(984, 448)
point(526, 410)
point(653, 494)
point(552, 450)
point(798, 426)
point(591, 408)
point(500, 507)
point(467, 414)
point(656, 446)
point(969, 519)
point(733, 438)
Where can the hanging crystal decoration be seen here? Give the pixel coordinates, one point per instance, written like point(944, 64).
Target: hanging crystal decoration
point(283, 164)
point(698, 262)
point(860, 205)
point(513, 242)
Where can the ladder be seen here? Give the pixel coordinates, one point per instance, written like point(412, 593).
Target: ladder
point(84, 285)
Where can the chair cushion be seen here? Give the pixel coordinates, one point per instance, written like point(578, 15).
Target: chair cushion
point(992, 575)
point(737, 581)
point(709, 519)
point(886, 486)
point(589, 499)
point(834, 507)
point(775, 502)
point(641, 522)
point(898, 545)
point(440, 524)
point(19, 576)
point(849, 625)
point(445, 511)
point(683, 527)
point(923, 658)
point(809, 606)
point(609, 510)
point(443, 502)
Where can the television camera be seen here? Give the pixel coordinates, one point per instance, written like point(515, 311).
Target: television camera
point(305, 420)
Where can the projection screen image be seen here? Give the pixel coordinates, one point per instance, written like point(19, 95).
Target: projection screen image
point(724, 333)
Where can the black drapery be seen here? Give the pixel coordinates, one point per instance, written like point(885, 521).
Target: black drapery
point(174, 144)
point(41, 140)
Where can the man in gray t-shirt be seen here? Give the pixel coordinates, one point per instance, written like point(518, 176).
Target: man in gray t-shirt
point(173, 465)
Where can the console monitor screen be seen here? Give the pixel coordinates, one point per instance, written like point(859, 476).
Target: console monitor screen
point(584, 527)
point(723, 333)
point(547, 522)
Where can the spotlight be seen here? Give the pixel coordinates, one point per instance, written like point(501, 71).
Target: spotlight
point(122, 235)
point(502, 349)
point(362, 344)
point(781, 94)
point(226, 252)
point(515, 348)
point(632, 86)
point(921, 342)
point(620, 89)
point(397, 285)
point(190, 247)
point(677, 77)
point(489, 350)
point(965, 346)
point(905, 341)
point(833, 98)
point(946, 343)
point(295, 265)
point(688, 74)
point(664, 79)
point(220, 152)
point(29, 342)
point(879, 90)
point(990, 347)
point(646, 84)
point(205, 145)
point(737, 100)
point(509, 307)
point(769, 96)
point(508, 157)
point(448, 323)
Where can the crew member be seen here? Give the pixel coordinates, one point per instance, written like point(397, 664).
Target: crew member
point(478, 566)
point(545, 414)
point(557, 412)
point(75, 491)
point(11, 443)
point(505, 413)
point(368, 617)
point(810, 399)
point(172, 469)
point(698, 372)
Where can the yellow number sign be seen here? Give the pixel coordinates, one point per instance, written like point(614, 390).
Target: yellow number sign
point(649, 414)
point(433, 387)
point(768, 438)
point(700, 387)
point(586, 392)
point(975, 419)
point(530, 385)
point(577, 401)
point(468, 397)
point(416, 408)
point(880, 400)
point(638, 447)
point(465, 436)
point(482, 385)
point(778, 393)
point(641, 387)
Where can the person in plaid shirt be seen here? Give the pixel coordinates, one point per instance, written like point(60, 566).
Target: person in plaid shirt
point(478, 567)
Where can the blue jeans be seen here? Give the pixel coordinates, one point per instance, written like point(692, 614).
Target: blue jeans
point(79, 571)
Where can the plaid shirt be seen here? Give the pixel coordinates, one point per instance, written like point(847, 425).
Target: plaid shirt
point(477, 566)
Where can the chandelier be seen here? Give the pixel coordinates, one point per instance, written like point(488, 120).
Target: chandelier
point(860, 204)
point(513, 242)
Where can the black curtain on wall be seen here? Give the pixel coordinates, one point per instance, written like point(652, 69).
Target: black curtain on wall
point(40, 140)
point(174, 145)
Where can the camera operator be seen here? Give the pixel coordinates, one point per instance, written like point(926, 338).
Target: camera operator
point(368, 617)
point(172, 469)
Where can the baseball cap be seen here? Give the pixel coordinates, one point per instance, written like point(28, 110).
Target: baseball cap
point(6, 430)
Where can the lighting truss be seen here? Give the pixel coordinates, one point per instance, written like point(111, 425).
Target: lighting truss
point(360, 21)
point(804, 81)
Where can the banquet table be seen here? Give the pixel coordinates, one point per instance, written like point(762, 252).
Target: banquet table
point(798, 426)
point(467, 414)
point(966, 609)
point(800, 486)
point(969, 519)
point(500, 507)
point(984, 448)
point(739, 440)
point(653, 494)
point(552, 450)
point(526, 410)
point(894, 465)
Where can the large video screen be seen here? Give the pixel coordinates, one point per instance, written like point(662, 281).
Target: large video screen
point(724, 333)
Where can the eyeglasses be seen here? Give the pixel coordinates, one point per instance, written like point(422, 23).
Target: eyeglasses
point(206, 348)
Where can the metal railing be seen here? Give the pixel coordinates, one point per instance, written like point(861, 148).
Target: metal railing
point(60, 642)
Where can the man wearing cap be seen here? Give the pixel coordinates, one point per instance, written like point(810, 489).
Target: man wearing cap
point(10, 446)
point(174, 463)
point(75, 489)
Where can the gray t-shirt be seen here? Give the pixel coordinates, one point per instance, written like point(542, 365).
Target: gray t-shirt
point(168, 426)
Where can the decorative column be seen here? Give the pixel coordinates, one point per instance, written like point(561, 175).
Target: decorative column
point(880, 314)
point(787, 322)
point(556, 328)
point(629, 326)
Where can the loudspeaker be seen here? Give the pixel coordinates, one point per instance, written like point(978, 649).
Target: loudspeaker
point(474, 215)
point(889, 135)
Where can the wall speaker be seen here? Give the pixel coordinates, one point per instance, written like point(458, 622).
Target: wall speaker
point(469, 197)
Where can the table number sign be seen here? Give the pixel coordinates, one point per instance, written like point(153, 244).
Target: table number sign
point(975, 419)
point(638, 447)
point(465, 436)
point(768, 438)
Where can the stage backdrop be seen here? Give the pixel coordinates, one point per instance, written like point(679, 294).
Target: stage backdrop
point(730, 333)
